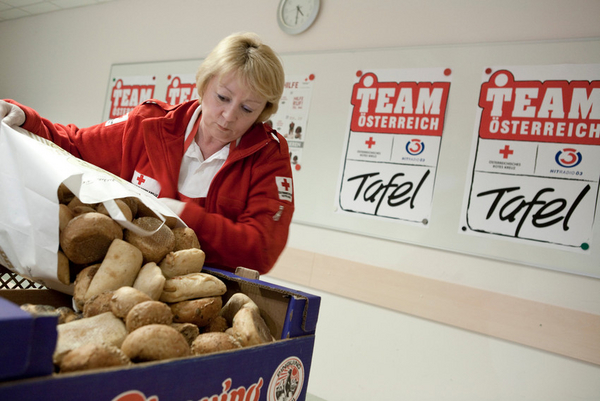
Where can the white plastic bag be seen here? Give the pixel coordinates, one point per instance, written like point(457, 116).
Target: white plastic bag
point(31, 170)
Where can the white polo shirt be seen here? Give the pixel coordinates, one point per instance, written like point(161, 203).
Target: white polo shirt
point(196, 173)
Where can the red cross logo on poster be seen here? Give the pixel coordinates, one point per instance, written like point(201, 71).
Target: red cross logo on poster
point(506, 151)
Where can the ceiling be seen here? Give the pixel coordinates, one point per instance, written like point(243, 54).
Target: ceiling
point(13, 9)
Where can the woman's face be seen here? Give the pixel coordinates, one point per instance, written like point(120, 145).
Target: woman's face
point(229, 108)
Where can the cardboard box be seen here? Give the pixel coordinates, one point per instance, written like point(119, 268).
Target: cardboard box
point(26, 344)
point(249, 374)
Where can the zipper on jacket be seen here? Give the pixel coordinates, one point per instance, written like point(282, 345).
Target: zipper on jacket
point(277, 215)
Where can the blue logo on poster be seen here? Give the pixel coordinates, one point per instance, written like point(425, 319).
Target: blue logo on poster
point(415, 147)
point(568, 157)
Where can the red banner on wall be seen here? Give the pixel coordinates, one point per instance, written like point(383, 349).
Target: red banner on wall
point(550, 111)
point(416, 108)
point(129, 92)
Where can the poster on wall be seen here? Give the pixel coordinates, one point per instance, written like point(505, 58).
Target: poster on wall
point(180, 88)
point(291, 118)
point(393, 143)
point(128, 92)
point(535, 162)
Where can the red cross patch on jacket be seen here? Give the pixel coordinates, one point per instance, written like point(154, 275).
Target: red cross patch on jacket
point(147, 183)
point(284, 186)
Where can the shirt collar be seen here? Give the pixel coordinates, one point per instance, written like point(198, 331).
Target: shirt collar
point(190, 133)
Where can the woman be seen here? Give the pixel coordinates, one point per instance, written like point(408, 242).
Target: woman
point(211, 160)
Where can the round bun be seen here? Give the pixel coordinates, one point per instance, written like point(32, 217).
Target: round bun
point(125, 298)
point(156, 246)
point(97, 304)
point(207, 343)
point(86, 238)
point(155, 342)
point(216, 324)
point(189, 331)
point(125, 209)
point(148, 312)
point(197, 311)
point(185, 238)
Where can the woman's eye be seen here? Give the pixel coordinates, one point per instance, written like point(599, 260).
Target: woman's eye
point(221, 98)
point(247, 110)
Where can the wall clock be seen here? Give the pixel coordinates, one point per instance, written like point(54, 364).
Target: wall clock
point(295, 16)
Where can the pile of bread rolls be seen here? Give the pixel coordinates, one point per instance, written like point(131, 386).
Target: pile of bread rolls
point(140, 298)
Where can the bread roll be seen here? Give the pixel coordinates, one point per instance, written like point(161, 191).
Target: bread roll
point(79, 210)
point(249, 328)
point(197, 311)
point(82, 283)
point(182, 262)
point(189, 331)
point(216, 324)
point(122, 205)
point(97, 304)
point(66, 314)
point(190, 286)
point(237, 301)
point(36, 309)
point(119, 268)
point(64, 194)
point(126, 298)
point(150, 280)
point(93, 356)
point(148, 312)
point(155, 342)
point(185, 238)
point(86, 238)
point(208, 343)
point(63, 271)
point(156, 246)
point(143, 210)
point(77, 207)
point(132, 203)
point(103, 328)
point(65, 215)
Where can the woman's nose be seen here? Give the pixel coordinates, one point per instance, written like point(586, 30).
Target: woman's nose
point(229, 113)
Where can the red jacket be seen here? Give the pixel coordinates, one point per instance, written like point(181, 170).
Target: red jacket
point(245, 218)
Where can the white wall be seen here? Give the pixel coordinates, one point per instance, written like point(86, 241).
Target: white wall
point(59, 63)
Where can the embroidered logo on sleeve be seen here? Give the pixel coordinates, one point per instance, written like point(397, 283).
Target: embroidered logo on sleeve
point(284, 186)
point(148, 184)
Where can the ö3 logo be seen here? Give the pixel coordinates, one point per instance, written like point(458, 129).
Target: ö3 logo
point(415, 147)
point(568, 157)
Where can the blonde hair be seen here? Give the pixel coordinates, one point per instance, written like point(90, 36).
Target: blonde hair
point(254, 62)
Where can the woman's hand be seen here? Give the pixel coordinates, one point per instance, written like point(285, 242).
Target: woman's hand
point(11, 115)
point(173, 204)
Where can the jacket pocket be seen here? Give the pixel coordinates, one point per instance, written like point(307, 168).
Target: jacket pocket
point(230, 208)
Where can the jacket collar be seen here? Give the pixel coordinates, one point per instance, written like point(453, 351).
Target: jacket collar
point(164, 137)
